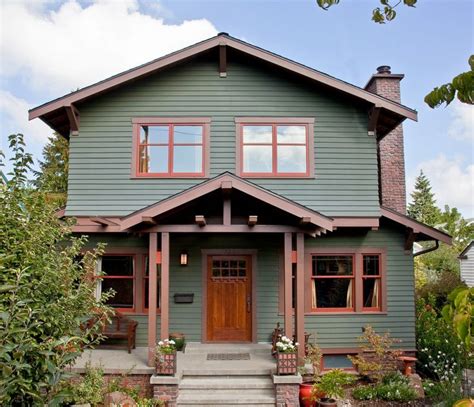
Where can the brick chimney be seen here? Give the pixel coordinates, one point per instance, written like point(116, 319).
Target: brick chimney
point(391, 155)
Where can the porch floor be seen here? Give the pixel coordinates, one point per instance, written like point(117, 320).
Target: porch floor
point(190, 362)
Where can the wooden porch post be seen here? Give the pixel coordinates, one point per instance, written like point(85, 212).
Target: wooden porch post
point(299, 309)
point(165, 284)
point(152, 300)
point(288, 292)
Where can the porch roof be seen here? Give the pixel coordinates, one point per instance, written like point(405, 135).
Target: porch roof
point(226, 182)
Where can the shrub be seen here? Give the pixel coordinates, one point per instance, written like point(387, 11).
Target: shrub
point(377, 356)
point(440, 351)
point(90, 388)
point(393, 387)
point(332, 383)
point(444, 391)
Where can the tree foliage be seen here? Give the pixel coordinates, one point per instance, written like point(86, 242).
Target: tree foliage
point(46, 291)
point(423, 207)
point(462, 87)
point(452, 222)
point(459, 312)
point(52, 176)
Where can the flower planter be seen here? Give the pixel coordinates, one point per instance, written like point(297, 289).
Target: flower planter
point(305, 395)
point(180, 340)
point(327, 402)
point(287, 363)
point(166, 364)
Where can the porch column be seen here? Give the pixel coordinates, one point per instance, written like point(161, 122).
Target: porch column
point(288, 292)
point(152, 300)
point(299, 309)
point(165, 284)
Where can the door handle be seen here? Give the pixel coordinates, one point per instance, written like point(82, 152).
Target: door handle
point(249, 303)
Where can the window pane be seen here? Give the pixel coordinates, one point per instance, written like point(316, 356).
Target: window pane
point(154, 159)
point(188, 134)
point(154, 134)
point(333, 293)
point(332, 265)
point(371, 265)
point(291, 159)
point(291, 134)
point(117, 265)
point(123, 288)
point(257, 159)
point(187, 159)
point(147, 296)
point(257, 134)
point(371, 292)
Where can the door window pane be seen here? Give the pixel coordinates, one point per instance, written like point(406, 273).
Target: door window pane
point(291, 159)
point(257, 159)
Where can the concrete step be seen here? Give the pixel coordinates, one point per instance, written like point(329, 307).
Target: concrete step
point(193, 348)
point(226, 397)
point(250, 371)
point(226, 382)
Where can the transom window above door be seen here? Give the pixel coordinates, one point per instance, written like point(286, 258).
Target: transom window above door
point(276, 148)
point(170, 148)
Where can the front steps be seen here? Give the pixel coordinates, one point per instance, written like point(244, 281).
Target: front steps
point(216, 389)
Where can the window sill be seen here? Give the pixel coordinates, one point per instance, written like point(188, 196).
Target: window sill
point(170, 177)
point(277, 176)
point(332, 313)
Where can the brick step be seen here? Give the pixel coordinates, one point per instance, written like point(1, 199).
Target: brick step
point(226, 382)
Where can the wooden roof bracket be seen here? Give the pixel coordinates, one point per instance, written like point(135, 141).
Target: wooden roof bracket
point(74, 119)
point(374, 114)
point(222, 60)
point(102, 221)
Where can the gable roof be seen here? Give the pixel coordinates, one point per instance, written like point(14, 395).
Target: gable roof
point(57, 112)
point(227, 180)
point(463, 254)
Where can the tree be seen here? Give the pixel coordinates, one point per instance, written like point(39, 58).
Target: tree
point(423, 208)
point(52, 177)
point(47, 291)
point(462, 85)
point(462, 230)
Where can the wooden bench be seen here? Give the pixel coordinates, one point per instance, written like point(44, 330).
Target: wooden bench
point(120, 327)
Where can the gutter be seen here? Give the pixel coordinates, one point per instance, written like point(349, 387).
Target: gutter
point(429, 249)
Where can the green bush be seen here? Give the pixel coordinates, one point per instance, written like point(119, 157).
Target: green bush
point(393, 387)
point(440, 352)
point(332, 383)
point(90, 389)
point(447, 392)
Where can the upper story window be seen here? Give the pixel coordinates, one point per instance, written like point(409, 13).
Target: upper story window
point(174, 147)
point(275, 147)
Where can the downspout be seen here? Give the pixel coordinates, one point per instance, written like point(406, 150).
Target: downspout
point(429, 249)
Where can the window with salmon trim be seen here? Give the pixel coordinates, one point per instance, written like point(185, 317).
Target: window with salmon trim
point(170, 149)
point(275, 148)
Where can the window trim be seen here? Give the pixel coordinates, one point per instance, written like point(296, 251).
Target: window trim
point(372, 277)
point(308, 122)
point(137, 122)
point(352, 277)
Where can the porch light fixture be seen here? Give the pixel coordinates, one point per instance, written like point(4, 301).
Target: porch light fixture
point(183, 258)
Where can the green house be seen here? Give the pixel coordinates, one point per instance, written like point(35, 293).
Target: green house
point(237, 189)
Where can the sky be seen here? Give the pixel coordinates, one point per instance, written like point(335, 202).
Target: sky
point(51, 47)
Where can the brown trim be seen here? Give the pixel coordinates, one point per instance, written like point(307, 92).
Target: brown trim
point(74, 119)
point(287, 285)
point(418, 228)
point(226, 211)
point(300, 294)
point(165, 285)
point(374, 114)
point(198, 48)
point(307, 122)
point(228, 252)
point(357, 222)
point(215, 184)
point(152, 297)
point(103, 221)
point(222, 61)
point(204, 122)
point(357, 253)
point(224, 229)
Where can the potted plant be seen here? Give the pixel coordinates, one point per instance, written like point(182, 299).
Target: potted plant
point(308, 394)
point(287, 358)
point(165, 357)
point(179, 340)
point(332, 385)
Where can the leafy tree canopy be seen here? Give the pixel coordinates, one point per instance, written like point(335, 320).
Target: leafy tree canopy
point(462, 85)
point(52, 176)
point(46, 291)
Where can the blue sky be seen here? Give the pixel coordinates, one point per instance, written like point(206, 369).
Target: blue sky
point(49, 48)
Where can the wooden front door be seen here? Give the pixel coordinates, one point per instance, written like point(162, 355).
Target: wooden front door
point(229, 298)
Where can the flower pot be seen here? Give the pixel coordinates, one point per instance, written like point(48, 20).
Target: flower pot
point(179, 339)
point(327, 402)
point(305, 395)
point(287, 363)
point(165, 364)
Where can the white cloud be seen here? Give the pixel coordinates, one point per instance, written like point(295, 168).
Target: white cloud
point(73, 46)
point(15, 120)
point(452, 182)
point(462, 125)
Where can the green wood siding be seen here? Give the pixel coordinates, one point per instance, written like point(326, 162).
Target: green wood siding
point(331, 331)
point(345, 180)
